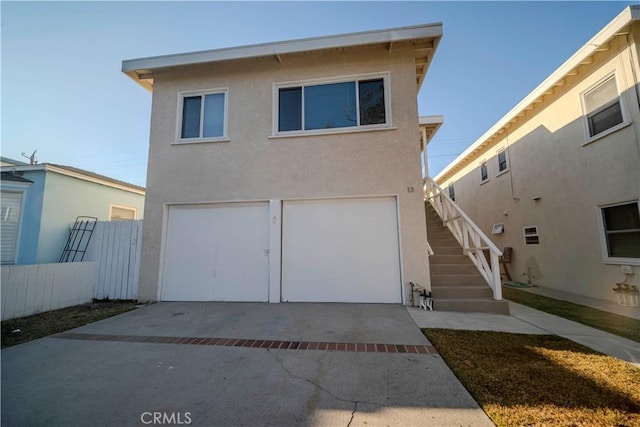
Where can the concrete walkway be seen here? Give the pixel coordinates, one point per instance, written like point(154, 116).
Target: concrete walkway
point(237, 364)
point(525, 320)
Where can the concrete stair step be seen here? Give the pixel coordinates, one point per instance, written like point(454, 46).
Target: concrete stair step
point(447, 250)
point(449, 259)
point(466, 268)
point(444, 243)
point(461, 292)
point(457, 279)
point(471, 305)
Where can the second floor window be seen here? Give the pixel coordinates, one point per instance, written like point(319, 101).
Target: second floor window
point(602, 107)
point(484, 172)
point(344, 104)
point(202, 116)
point(502, 161)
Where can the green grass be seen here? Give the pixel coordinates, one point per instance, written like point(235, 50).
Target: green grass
point(541, 380)
point(613, 323)
point(24, 329)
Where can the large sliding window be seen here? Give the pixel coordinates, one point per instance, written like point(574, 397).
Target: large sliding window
point(354, 103)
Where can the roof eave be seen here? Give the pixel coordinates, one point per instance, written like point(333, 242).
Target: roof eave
point(140, 69)
point(617, 24)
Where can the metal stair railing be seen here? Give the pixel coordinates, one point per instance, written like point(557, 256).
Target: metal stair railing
point(472, 240)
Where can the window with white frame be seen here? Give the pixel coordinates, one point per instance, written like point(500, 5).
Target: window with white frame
point(503, 164)
point(10, 213)
point(621, 227)
point(202, 116)
point(531, 236)
point(602, 107)
point(352, 103)
point(484, 172)
point(122, 213)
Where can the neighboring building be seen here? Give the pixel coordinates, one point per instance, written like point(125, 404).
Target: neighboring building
point(41, 202)
point(558, 177)
point(287, 171)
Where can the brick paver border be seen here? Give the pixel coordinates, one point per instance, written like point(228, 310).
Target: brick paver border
point(251, 343)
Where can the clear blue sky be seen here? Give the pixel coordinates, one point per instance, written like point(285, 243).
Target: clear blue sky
point(64, 95)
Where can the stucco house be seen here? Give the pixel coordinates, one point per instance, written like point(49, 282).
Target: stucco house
point(40, 202)
point(558, 177)
point(287, 171)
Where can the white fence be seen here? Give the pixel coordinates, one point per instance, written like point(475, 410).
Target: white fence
point(110, 269)
point(116, 247)
point(30, 289)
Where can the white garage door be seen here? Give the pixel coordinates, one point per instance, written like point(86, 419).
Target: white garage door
point(217, 252)
point(342, 250)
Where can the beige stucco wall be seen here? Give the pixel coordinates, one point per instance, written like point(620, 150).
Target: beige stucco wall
point(548, 159)
point(253, 166)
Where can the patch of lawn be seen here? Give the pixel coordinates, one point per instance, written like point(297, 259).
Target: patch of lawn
point(43, 324)
point(613, 323)
point(541, 380)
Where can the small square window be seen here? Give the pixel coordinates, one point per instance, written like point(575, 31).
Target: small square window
point(531, 236)
point(122, 213)
point(484, 172)
point(203, 116)
point(502, 161)
point(621, 224)
point(452, 193)
point(603, 110)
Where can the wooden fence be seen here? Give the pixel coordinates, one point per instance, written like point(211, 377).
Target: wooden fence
point(116, 247)
point(30, 289)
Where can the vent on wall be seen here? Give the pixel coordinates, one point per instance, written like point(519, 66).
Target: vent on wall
point(497, 229)
point(531, 236)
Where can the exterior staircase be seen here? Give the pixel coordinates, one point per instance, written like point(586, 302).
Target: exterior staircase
point(456, 284)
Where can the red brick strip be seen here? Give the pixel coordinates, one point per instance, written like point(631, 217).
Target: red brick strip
point(268, 344)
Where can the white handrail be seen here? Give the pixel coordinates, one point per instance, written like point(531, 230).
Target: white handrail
point(468, 235)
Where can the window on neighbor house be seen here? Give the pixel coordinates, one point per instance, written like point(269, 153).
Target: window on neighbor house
point(452, 193)
point(202, 116)
point(602, 107)
point(502, 161)
point(122, 213)
point(531, 236)
point(354, 103)
point(621, 225)
point(10, 206)
point(484, 172)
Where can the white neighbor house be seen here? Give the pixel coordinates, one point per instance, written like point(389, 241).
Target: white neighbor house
point(558, 177)
point(287, 171)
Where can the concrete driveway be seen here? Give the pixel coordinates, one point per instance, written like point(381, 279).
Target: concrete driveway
point(237, 364)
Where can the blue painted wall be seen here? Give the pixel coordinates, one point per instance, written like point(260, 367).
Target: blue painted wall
point(51, 206)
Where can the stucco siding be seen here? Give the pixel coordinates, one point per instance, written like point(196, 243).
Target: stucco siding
point(550, 159)
point(253, 165)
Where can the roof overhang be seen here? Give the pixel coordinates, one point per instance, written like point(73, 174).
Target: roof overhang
point(429, 125)
point(77, 173)
point(425, 40)
point(619, 26)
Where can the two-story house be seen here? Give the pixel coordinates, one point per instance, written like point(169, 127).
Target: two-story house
point(287, 171)
point(558, 177)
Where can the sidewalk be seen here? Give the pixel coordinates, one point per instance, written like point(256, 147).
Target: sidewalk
point(525, 320)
